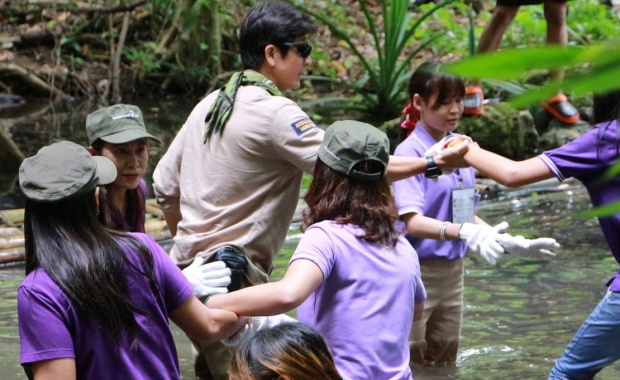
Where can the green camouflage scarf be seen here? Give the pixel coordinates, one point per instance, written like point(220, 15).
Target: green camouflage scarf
point(222, 107)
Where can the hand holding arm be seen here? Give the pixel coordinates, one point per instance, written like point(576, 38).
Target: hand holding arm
point(451, 158)
point(257, 323)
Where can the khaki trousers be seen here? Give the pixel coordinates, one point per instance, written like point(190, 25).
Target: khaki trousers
point(211, 360)
point(434, 340)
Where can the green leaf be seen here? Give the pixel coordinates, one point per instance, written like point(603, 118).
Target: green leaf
point(514, 63)
point(602, 211)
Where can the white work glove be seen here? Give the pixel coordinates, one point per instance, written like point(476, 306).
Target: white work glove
point(208, 279)
point(518, 245)
point(482, 239)
point(501, 228)
point(255, 324)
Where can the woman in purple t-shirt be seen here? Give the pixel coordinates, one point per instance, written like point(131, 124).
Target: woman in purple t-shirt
point(96, 303)
point(355, 279)
point(587, 158)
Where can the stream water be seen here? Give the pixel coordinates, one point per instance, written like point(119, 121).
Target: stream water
point(519, 315)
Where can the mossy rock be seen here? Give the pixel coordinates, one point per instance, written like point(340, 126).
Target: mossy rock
point(504, 130)
point(559, 134)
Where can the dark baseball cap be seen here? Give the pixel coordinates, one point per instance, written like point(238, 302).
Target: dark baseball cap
point(117, 124)
point(62, 170)
point(349, 142)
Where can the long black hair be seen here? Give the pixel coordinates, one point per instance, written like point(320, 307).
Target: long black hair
point(86, 260)
point(606, 108)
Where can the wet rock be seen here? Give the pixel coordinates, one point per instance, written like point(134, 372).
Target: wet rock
point(504, 130)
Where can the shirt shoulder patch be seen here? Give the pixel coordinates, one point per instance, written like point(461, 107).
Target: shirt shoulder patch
point(302, 126)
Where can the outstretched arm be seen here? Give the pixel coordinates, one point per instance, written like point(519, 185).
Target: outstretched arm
point(301, 279)
point(199, 322)
point(506, 171)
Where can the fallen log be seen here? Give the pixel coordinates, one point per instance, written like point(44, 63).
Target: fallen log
point(37, 84)
point(12, 255)
point(12, 236)
point(12, 218)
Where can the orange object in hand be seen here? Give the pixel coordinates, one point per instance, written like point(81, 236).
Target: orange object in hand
point(455, 141)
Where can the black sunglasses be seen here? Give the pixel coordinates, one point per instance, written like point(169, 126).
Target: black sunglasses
point(303, 48)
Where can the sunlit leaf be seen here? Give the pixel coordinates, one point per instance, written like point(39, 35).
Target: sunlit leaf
point(602, 211)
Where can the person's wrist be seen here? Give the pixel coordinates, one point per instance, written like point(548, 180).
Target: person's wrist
point(442, 231)
point(432, 170)
point(207, 299)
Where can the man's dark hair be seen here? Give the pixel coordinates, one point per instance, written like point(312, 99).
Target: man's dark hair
point(271, 22)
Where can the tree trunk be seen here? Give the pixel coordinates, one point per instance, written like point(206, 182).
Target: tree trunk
point(194, 39)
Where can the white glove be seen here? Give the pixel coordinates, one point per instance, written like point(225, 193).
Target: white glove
point(255, 324)
point(208, 279)
point(518, 245)
point(482, 239)
point(501, 228)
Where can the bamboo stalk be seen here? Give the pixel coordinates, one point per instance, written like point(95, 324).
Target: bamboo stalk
point(12, 255)
point(11, 243)
point(12, 217)
point(10, 232)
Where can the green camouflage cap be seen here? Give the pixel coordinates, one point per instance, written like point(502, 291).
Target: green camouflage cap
point(117, 124)
point(62, 170)
point(349, 142)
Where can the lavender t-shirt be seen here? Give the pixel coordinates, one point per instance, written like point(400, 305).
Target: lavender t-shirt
point(51, 328)
point(364, 306)
point(587, 158)
point(431, 197)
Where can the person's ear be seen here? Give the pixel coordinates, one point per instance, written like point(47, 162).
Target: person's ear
point(417, 102)
point(97, 189)
point(271, 54)
point(91, 150)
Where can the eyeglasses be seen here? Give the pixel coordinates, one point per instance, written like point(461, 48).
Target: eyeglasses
point(303, 48)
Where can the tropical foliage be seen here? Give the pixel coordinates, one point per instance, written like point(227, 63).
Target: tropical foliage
point(380, 87)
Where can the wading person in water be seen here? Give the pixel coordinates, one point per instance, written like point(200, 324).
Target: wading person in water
point(353, 275)
point(589, 159)
point(439, 214)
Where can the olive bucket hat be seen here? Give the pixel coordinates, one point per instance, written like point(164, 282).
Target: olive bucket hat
point(117, 124)
point(349, 142)
point(63, 170)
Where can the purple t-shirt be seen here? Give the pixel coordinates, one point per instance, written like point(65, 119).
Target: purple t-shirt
point(587, 158)
point(431, 197)
point(364, 306)
point(134, 218)
point(50, 326)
